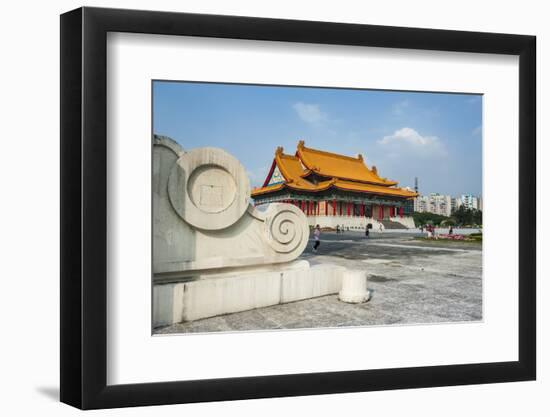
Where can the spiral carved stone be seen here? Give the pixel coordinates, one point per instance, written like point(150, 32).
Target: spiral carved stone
point(286, 229)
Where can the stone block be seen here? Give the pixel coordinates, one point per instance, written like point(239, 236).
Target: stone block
point(354, 287)
point(317, 281)
point(231, 292)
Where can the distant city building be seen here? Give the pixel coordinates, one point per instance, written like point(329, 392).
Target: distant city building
point(456, 202)
point(469, 201)
point(434, 203)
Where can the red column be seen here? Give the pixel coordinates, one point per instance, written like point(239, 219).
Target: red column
point(334, 207)
point(303, 206)
point(400, 211)
point(326, 207)
point(362, 210)
point(318, 207)
point(380, 212)
point(341, 208)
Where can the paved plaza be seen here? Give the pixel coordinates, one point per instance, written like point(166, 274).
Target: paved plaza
point(412, 281)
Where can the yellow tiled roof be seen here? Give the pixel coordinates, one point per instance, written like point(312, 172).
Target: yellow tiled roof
point(339, 184)
point(290, 166)
point(340, 166)
point(346, 173)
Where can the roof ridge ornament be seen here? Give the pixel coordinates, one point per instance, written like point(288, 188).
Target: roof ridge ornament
point(301, 144)
point(279, 150)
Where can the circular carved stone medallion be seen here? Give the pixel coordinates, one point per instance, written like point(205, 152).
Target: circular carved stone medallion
point(209, 188)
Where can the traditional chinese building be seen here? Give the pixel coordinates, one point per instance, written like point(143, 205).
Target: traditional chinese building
point(333, 189)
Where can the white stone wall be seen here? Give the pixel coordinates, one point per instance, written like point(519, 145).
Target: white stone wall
point(356, 223)
point(406, 221)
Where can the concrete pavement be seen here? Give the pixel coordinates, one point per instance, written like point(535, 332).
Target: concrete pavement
point(411, 282)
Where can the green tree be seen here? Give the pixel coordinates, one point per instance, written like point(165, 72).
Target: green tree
point(466, 217)
point(422, 219)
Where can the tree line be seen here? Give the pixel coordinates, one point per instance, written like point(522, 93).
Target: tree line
point(461, 217)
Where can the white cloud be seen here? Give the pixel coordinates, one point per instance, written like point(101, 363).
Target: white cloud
point(399, 108)
point(309, 113)
point(407, 140)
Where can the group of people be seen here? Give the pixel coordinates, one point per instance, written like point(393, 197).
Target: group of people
point(340, 229)
point(430, 230)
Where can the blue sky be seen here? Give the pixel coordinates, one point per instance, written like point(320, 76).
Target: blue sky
point(435, 137)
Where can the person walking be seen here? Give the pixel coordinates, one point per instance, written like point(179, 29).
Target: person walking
point(451, 230)
point(367, 231)
point(337, 229)
point(316, 238)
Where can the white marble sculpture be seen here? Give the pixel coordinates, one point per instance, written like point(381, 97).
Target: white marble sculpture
point(213, 252)
point(203, 218)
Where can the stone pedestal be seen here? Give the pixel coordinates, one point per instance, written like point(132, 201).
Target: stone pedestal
point(354, 287)
point(241, 290)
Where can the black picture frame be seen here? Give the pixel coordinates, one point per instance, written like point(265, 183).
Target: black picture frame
point(84, 179)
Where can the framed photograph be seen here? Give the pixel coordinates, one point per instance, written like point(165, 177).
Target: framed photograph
point(257, 208)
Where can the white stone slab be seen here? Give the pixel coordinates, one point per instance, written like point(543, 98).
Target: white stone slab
point(317, 281)
point(213, 297)
point(244, 290)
